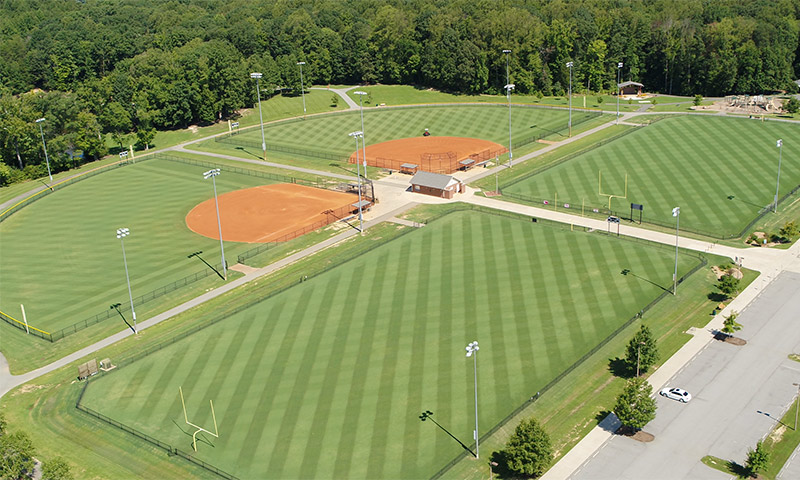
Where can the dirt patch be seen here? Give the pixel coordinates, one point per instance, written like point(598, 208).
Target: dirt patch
point(735, 272)
point(431, 154)
point(29, 389)
point(194, 128)
point(777, 434)
point(724, 337)
point(270, 213)
point(637, 435)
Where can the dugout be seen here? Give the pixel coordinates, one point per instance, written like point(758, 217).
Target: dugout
point(436, 184)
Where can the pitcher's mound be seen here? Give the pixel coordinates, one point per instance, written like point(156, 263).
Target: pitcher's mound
point(270, 213)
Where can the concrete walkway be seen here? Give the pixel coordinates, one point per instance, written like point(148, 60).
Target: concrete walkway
point(377, 215)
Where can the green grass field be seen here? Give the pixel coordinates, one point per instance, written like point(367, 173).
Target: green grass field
point(66, 262)
point(721, 172)
point(329, 134)
point(329, 377)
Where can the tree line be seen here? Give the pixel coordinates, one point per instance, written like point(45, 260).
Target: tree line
point(120, 66)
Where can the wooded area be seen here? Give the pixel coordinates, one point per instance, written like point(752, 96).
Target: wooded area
point(134, 66)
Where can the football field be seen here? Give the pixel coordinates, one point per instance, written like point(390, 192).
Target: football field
point(721, 171)
point(328, 378)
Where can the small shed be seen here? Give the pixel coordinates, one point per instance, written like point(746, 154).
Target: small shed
point(436, 184)
point(409, 168)
point(630, 88)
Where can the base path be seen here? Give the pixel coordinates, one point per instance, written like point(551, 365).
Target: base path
point(269, 213)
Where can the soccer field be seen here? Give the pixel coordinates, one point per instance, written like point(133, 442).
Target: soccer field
point(62, 260)
point(720, 171)
point(329, 133)
point(328, 379)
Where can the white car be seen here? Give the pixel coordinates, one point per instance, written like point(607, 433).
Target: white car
point(676, 394)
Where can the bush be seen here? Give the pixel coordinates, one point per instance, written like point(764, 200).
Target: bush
point(528, 451)
point(728, 285)
point(698, 99)
point(791, 106)
point(599, 100)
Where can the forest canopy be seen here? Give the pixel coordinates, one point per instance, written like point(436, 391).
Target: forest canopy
point(120, 66)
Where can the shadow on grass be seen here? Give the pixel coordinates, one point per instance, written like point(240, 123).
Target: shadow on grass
point(499, 465)
point(427, 415)
point(197, 254)
point(628, 271)
point(620, 368)
point(248, 152)
point(717, 297)
point(752, 204)
point(736, 469)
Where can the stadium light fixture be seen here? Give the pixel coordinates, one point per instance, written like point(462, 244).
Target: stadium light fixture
point(121, 234)
point(363, 143)
point(508, 88)
point(302, 88)
point(619, 67)
point(778, 144)
point(676, 212)
point(472, 349)
point(44, 147)
point(358, 135)
point(257, 76)
point(508, 80)
point(213, 175)
point(570, 65)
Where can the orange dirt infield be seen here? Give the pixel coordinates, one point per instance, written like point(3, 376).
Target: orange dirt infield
point(431, 154)
point(269, 213)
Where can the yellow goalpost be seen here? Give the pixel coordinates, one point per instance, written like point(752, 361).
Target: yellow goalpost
point(610, 196)
point(199, 429)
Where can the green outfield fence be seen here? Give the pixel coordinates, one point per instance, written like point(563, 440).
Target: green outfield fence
point(147, 438)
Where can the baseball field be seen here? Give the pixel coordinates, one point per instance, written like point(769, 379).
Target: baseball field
point(329, 377)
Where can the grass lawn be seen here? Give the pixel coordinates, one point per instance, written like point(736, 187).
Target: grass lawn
point(328, 135)
point(275, 108)
point(327, 378)
point(66, 278)
point(720, 171)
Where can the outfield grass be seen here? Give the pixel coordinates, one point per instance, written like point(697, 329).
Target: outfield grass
point(329, 134)
point(66, 262)
point(325, 378)
point(696, 163)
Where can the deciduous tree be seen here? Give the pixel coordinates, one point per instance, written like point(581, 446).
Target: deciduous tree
point(635, 406)
point(528, 451)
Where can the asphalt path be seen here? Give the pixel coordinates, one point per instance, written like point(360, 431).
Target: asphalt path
point(739, 395)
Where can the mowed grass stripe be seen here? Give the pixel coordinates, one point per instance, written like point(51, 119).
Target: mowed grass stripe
point(79, 272)
point(692, 162)
point(403, 352)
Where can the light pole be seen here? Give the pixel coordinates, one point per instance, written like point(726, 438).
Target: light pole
point(569, 65)
point(46, 158)
point(619, 67)
point(358, 135)
point(638, 347)
point(363, 143)
point(797, 405)
point(302, 88)
point(121, 234)
point(507, 78)
point(509, 87)
point(473, 348)
point(213, 174)
point(676, 212)
point(779, 144)
point(258, 76)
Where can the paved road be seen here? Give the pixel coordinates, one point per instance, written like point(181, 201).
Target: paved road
point(739, 395)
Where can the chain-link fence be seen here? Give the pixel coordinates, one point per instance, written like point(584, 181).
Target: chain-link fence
point(147, 438)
